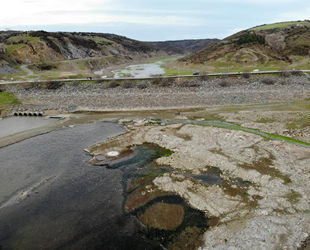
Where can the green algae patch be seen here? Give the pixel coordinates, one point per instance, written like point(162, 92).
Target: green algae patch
point(265, 135)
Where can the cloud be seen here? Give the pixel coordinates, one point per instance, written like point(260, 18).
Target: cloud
point(21, 12)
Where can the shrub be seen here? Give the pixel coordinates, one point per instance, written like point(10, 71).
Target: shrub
point(268, 80)
point(204, 77)
point(166, 82)
point(297, 73)
point(128, 84)
point(188, 83)
point(34, 85)
point(251, 38)
point(224, 83)
point(246, 75)
point(156, 81)
point(53, 85)
point(285, 73)
point(113, 84)
point(142, 85)
point(284, 82)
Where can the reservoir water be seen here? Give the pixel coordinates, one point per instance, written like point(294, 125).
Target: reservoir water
point(141, 70)
point(52, 198)
point(13, 125)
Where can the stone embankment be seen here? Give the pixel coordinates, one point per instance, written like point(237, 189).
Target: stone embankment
point(163, 94)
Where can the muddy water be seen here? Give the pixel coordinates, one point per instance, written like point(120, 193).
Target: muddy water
point(141, 70)
point(51, 198)
point(13, 125)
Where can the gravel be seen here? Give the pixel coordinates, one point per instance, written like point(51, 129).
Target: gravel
point(99, 96)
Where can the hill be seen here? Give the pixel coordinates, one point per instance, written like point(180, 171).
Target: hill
point(187, 46)
point(266, 46)
point(19, 47)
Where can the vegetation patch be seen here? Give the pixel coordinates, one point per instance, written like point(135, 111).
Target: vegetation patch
point(250, 38)
point(100, 40)
point(13, 47)
point(280, 25)
point(7, 98)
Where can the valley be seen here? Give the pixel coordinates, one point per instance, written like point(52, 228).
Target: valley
point(145, 155)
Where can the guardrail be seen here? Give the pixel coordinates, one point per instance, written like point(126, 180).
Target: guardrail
point(150, 78)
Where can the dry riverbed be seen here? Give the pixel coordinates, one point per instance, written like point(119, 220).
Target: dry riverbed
point(263, 201)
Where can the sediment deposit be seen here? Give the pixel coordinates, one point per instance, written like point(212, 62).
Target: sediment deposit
point(263, 202)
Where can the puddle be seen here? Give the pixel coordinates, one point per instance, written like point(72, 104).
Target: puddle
point(181, 224)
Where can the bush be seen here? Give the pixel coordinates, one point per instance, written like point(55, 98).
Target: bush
point(128, 84)
point(284, 81)
point(268, 80)
point(166, 82)
point(297, 73)
point(156, 81)
point(142, 85)
point(224, 83)
point(188, 83)
point(250, 38)
point(53, 85)
point(246, 75)
point(204, 77)
point(285, 73)
point(113, 84)
point(34, 85)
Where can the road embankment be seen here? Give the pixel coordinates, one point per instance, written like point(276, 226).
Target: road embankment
point(162, 93)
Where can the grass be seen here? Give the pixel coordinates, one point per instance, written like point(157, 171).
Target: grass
point(268, 136)
point(279, 25)
point(23, 38)
point(99, 39)
point(124, 74)
point(7, 98)
point(12, 47)
point(175, 72)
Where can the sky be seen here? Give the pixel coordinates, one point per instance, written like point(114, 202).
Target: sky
point(150, 20)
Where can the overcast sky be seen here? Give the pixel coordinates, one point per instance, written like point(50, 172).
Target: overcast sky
point(150, 20)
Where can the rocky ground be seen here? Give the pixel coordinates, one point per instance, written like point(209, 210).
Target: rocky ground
point(263, 202)
point(163, 95)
